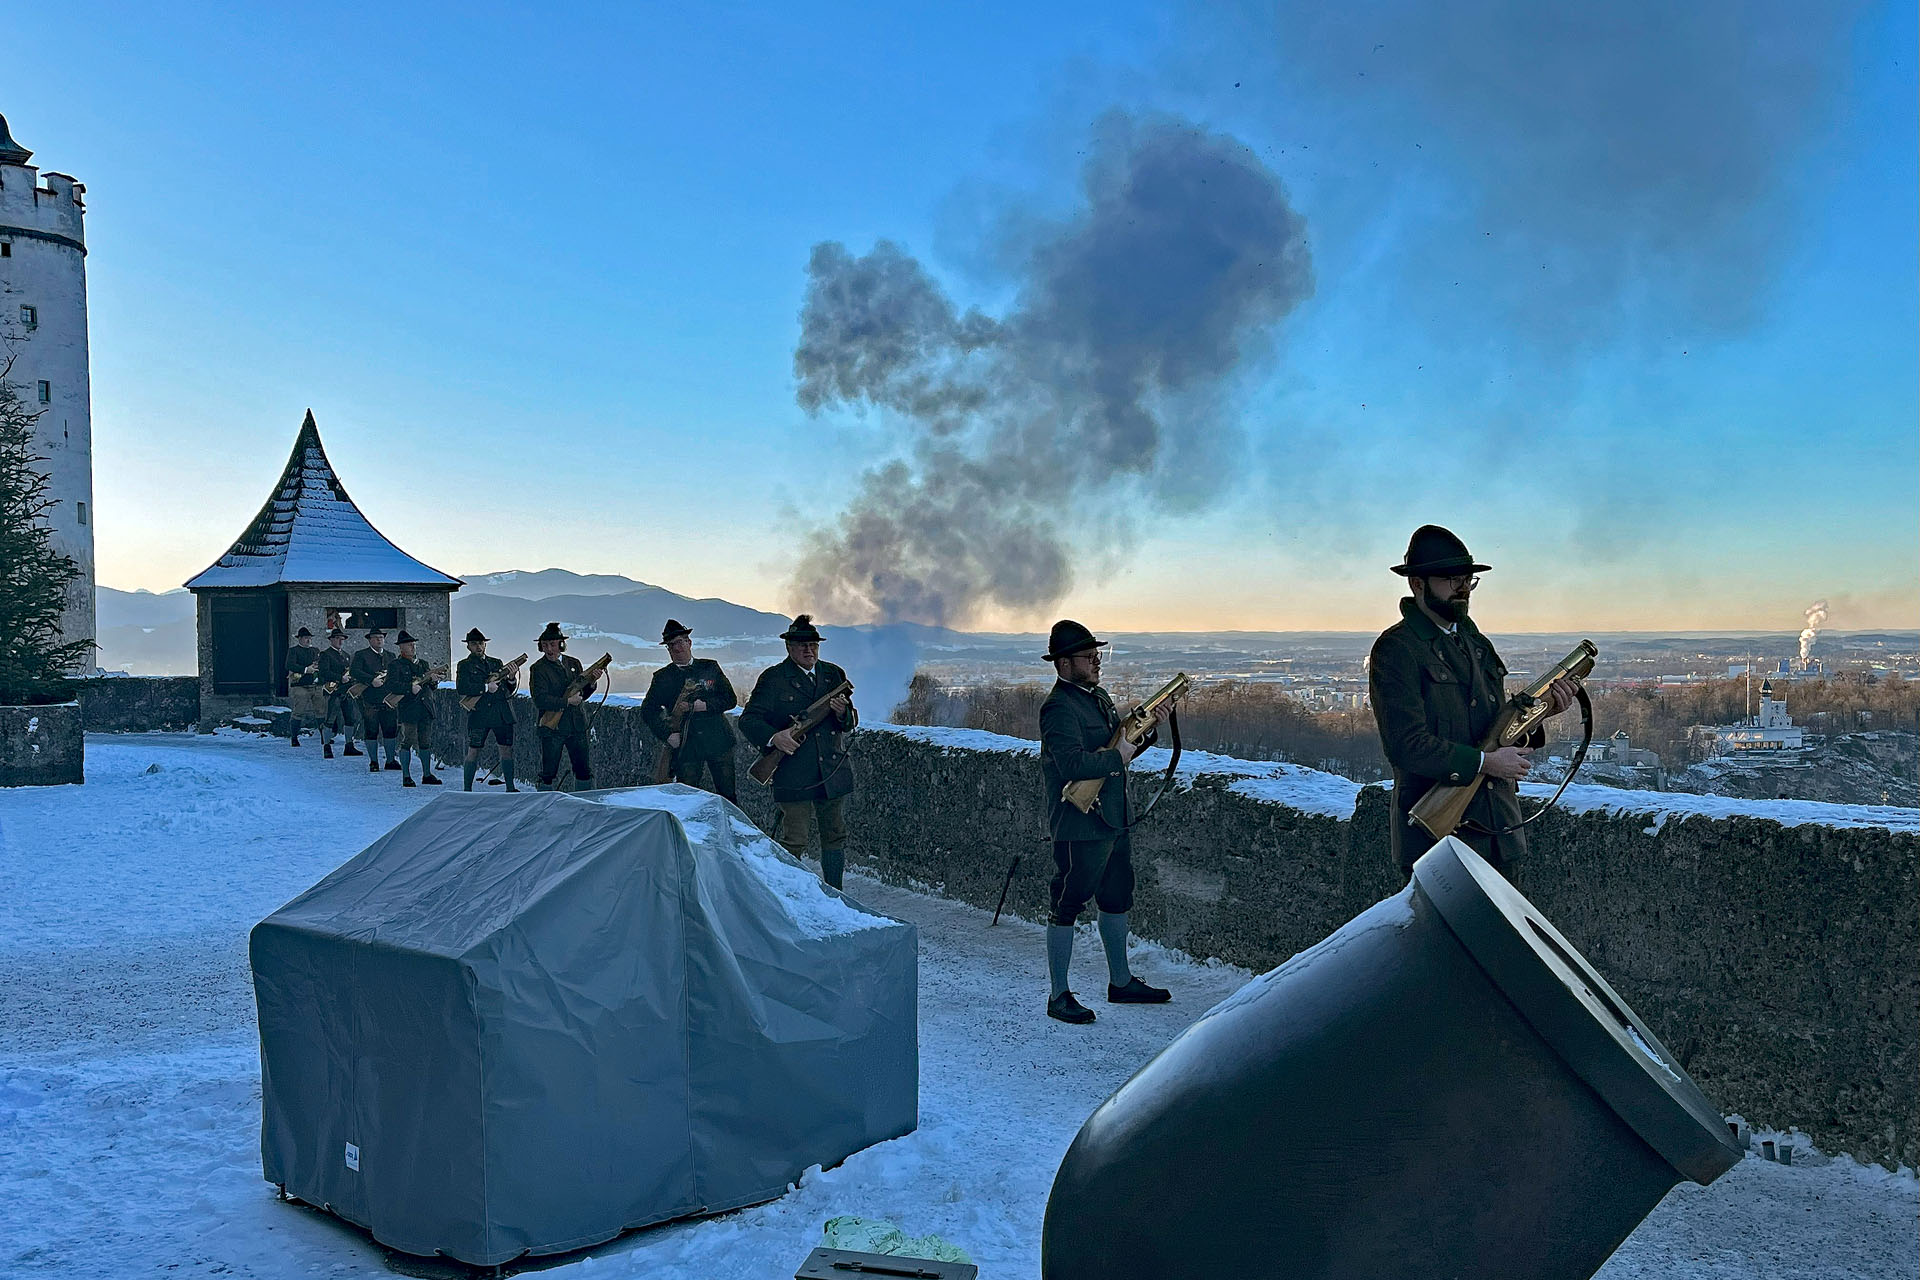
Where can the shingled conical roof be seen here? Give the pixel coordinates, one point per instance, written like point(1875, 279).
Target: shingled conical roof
point(309, 531)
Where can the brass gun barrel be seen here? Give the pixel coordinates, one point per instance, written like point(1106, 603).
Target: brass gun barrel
point(1444, 807)
point(1084, 794)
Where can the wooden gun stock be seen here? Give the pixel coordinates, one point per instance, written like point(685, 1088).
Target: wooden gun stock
point(426, 680)
point(579, 684)
point(504, 675)
point(1084, 794)
point(803, 724)
point(690, 692)
point(1444, 807)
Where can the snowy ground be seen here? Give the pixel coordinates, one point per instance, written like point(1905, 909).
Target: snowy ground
point(129, 1086)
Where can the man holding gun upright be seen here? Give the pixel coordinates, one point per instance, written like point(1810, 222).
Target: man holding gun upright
point(1437, 686)
point(1092, 855)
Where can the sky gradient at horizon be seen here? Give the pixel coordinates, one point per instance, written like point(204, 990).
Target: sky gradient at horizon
point(540, 283)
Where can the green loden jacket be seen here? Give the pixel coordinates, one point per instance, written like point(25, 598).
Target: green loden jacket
point(1435, 697)
point(470, 678)
point(819, 770)
point(548, 681)
point(414, 708)
point(706, 734)
point(1075, 725)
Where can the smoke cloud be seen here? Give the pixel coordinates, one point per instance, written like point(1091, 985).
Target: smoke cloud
point(1133, 321)
point(1816, 619)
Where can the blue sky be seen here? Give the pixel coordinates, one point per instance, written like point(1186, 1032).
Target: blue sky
point(539, 279)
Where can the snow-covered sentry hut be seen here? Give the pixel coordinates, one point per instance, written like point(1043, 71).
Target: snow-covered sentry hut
point(309, 559)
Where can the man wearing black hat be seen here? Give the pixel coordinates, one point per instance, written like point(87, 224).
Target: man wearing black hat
point(1437, 685)
point(377, 722)
point(411, 678)
point(704, 740)
point(815, 777)
point(553, 671)
point(303, 681)
point(1092, 854)
point(334, 664)
point(487, 679)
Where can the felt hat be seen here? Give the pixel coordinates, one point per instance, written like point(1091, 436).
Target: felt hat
point(1435, 552)
point(673, 630)
point(1068, 638)
point(336, 634)
point(552, 632)
point(405, 637)
point(474, 637)
point(303, 634)
point(802, 630)
point(376, 631)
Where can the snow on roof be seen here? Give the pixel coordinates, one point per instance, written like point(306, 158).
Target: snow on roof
point(310, 531)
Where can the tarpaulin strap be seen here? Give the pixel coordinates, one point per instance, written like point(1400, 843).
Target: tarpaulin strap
point(1579, 758)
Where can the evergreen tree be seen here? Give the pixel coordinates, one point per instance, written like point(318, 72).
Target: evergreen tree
point(34, 578)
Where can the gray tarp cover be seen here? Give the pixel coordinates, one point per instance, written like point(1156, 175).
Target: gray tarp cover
point(525, 1024)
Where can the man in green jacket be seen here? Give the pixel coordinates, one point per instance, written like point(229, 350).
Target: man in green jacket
point(410, 686)
point(1437, 686)
point(1092, 854)
point(487, 679)
point(815, 776)
point(334, 663)
point(303, 682)
point(703, 742)
point(377, 722)
point(554, 671)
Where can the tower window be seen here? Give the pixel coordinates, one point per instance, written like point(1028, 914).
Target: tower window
point(83, 511)
point(46, 392)
point(6, 248)
point(30, 317)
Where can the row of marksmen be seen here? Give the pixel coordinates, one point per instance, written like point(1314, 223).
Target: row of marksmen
point(384, 700)
point(1436, 685)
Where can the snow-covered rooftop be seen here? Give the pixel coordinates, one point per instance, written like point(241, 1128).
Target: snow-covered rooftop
point(310, 531)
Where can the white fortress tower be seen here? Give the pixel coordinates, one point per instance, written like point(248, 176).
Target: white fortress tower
point(43, 318)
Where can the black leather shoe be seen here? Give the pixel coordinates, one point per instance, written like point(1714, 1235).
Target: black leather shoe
point(1065, 1008)
point(373, 766)
point(406, 782)
point(326, 751)
point(1137, 992)
point(429, 780)
point(352, 751)
point(393, 765)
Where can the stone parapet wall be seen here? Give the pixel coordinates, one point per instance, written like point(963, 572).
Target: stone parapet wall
point(138, 704)
point(41, 746)
point(1775, 950)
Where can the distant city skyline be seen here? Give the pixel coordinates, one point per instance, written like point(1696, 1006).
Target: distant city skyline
point(480, 249)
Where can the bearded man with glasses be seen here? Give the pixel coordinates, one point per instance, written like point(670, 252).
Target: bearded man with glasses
point(1437, 685)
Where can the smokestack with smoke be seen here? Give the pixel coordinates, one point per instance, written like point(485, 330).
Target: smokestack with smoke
point(1106, 378)
point(1816, 618)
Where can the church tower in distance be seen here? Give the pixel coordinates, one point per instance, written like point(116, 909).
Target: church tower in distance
point(43, 322)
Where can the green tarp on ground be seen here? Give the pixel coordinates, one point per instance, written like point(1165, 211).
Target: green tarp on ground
point(523, 1024)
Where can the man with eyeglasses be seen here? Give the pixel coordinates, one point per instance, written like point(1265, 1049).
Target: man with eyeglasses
point(1437, 685)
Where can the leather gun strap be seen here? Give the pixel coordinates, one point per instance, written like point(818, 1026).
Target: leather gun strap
point(1173, 762)
point(1573, 767)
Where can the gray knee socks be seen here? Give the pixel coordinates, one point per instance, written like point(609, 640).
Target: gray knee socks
point(1113, 936)
point(833, 866)
point(406, 762)
point(467, 771)
point(1059, 957)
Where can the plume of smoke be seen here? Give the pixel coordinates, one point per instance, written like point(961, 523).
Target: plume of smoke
point(1132, 320)
point(1816, 618)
